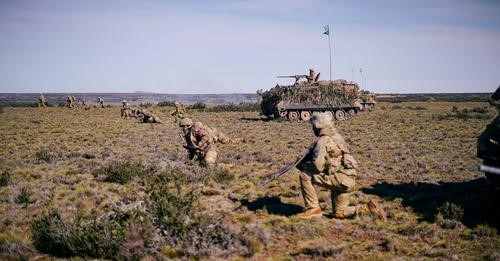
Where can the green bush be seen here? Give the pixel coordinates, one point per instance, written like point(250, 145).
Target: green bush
point(451, 211)
point(242, 107)
point(484, 231)
point(44, 155)
point(145, 104)
point(166, 104)
point(4, 178)
point(123, 172)
point(91, 237)
point(197, 106)
point(24, 196)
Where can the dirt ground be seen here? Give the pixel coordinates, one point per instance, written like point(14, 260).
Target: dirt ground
point(417, 159)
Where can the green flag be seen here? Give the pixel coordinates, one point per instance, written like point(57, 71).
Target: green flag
point(327, 30)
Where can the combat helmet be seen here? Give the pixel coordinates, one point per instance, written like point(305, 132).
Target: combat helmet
point(185, 122)
point(321, 120)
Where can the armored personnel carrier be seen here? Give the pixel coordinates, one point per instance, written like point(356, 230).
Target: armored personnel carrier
point(488, 145)
point(297, 102)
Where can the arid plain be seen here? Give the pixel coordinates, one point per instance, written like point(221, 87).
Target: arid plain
point(94, 185)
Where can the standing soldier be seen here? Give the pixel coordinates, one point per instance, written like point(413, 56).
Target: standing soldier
point(73, 99)
point(199, 142)
point(179, 112)
point(125, 110)
point(100, 100)
point(329, 164)
point(69, 100)
point(41, 101)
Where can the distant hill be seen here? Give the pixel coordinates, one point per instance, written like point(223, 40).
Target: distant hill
point(133, 98)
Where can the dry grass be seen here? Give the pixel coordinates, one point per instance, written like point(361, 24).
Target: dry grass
point(411, 158)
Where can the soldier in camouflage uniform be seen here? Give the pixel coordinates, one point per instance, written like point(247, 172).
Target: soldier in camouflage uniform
point(179, 112)
point(199, 142)
point(125, 110)
point(147, 117)
point(329, 164)
point(69, 100)
point(100, 100)
point(41, 101)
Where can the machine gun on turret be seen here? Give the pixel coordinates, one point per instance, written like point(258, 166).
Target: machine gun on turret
point(297, 77)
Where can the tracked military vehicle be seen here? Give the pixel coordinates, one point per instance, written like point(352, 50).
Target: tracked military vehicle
point(297, 102)
point(488, 145)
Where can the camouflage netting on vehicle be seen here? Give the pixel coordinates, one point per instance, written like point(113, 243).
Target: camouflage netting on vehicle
point(323, 93)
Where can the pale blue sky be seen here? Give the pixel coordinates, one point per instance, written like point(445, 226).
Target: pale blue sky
point(222, 46)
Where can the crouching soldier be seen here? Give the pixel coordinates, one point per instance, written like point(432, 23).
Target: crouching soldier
point(199, 142)
point(329, 164)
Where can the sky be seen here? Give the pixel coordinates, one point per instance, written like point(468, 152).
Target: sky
point(240, 46)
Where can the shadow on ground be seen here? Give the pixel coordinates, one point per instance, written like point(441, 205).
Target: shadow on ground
point(478, 198)
point(273, 205)
point(255, 119)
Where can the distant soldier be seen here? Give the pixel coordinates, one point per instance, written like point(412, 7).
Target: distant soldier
point(179, 112)
point(329, 164)
point(199, 142)
point(125, 110)
point(41, 101)
point(100, 101)
point(69, 100)
point(73, 100)
point(313, 77)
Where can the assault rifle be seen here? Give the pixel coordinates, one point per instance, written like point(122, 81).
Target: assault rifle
point(189, 147)
point(297, 77)
point(490, 169)
point(284, 170)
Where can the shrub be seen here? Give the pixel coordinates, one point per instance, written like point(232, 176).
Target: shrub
point(89, 236)
point(145, 104)
point(4, 178)
point(451, 211)
point(484, 231)
point(197, 106)
point(123, 172)
point(24, 196)
point(44, 155)
point(165, 104)
point(242, 107)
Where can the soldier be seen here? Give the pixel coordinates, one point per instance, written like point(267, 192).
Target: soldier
point(179, 112)
point(69, 100)
point(41, 101)
point(148, 117)
point(125, 110)
point(73, 100)
point(199, 142)
point(329, 164)
point(312, 76)
point(100, 100)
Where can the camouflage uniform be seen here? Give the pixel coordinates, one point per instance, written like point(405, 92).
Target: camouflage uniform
point(179, 112)
point(73, 100)
point(199, 142)
point(148, 117)
point(70, 102)
point(125, 110)
point(330, 165)
point(41, 101)
point(100, 101)
point(312, 76)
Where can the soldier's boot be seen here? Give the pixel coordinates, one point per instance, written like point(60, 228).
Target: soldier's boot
point(310, 213)
point(376, 210)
